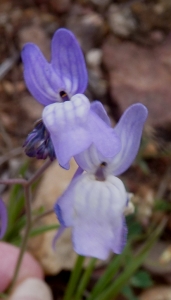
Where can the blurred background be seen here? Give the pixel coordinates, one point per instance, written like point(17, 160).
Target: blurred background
point(127, 48)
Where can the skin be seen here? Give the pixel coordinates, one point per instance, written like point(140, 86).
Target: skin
point(30, 276)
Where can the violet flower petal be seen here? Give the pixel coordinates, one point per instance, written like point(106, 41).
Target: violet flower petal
point(66, 73)
point(73, 127)
point(64, 205)
point(89, 160)
point(129, 129)
point(121, 236)
point(103, 136)
point(93, 209)
point(3, 219)
point(66, 125)
point(98, 208)
point(98, 108)
point(40, 77)
point(68, 60)
point(105, 143)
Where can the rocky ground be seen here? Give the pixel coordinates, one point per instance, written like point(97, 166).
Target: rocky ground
point(127, 47)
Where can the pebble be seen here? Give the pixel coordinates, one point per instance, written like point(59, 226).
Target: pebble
point(121, 20)
point(94, 57)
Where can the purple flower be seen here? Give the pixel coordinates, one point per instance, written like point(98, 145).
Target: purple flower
point(63, 77)
point(3, 219)
point(75, 125)
point(53, 82)
point(68, 119)
point(95, 201)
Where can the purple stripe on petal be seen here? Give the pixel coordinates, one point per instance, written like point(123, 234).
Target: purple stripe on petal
point(68, 60)
point(3, 219)
point(42, 81)
point(58, 212)
point(129, 129)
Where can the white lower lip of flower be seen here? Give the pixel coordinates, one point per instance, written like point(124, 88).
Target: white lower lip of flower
point(97, 216)
point(99, 198)
point(56, 116)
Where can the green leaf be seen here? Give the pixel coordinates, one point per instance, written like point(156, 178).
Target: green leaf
point(42, 229)
point(141, 279)
point(74, 278)
point(15, 206)
point(110, 272)
point(85, 279)
point(134, 228)
point(113, 290)
point(162, 205)
point(128, 293)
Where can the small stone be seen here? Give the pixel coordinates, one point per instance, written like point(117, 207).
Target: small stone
point(156, 293)
point(158, 260)
point(94, 57)
point(8, 87)
point(121, 20)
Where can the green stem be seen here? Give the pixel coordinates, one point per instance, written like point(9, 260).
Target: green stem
point(74, 278)
point(85, 279)
point(27, 191)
